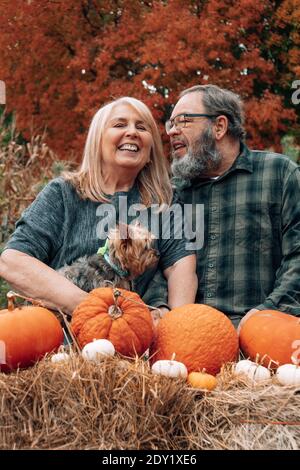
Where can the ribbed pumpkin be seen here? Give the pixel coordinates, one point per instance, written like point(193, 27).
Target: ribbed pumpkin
point(27, 333)
point(273, 335)
point(199, 335)
point(123, 319)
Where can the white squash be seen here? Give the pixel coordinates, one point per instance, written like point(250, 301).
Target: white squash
point(288, 374)
point(60, 357)
point(98, 349)
point(170, 368)
point(253, 371)
point(243, 367)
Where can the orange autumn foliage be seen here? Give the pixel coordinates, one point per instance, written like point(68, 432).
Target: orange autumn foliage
point(62, 60)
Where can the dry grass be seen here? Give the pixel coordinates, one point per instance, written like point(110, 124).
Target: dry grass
point(121, 405)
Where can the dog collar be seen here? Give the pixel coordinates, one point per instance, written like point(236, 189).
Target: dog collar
point(104, 251)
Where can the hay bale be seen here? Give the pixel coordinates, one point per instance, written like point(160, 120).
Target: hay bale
point(121, 405)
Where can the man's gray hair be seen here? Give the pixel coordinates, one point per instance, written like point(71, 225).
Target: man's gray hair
point(219, 101)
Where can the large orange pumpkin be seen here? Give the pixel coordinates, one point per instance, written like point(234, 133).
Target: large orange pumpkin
point(26, 335)
point(273, 335)
point(123, 319)
point(200, 336)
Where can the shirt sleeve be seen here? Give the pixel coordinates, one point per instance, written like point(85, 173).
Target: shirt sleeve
point(286, 294)
point(156, 293)
point(38, 232)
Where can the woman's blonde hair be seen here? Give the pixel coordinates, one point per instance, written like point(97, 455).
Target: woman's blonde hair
point(153, 180)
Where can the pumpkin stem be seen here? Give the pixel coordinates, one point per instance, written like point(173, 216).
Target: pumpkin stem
point(10, 300)
point(11, 295)
point(157, 313)
point(114, 311)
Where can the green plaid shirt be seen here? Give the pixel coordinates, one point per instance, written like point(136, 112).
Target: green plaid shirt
point(251, 252)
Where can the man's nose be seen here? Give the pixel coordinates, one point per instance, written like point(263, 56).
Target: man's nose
point(173, 131)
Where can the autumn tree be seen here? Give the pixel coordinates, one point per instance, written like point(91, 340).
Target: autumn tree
point(62, 60)
point(283, 47)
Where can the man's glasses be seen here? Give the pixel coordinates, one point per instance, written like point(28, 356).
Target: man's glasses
point(180, 121)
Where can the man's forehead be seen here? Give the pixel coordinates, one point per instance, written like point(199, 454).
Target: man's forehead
point(190, 103)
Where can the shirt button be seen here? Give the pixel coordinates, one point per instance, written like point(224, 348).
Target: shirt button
point(210, 265)
point(213, 237)
point(209, 295)
point(214, 208)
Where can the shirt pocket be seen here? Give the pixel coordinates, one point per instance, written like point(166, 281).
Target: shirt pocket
point(257, 226)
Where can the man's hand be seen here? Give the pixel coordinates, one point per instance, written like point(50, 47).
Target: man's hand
point(245, 318)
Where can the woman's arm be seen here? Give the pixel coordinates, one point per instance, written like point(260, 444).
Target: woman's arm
point(182, 282)
point(35, 279)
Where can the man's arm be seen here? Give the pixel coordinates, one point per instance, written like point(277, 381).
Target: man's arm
point(286, 293)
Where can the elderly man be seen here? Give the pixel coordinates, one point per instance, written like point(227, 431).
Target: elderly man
point(250, 259)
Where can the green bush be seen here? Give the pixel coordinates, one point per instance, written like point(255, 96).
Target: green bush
point(290, 148)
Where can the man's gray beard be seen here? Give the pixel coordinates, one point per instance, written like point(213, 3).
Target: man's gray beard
point(202, 158)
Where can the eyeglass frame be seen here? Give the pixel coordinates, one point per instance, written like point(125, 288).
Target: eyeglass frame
point(184, 122)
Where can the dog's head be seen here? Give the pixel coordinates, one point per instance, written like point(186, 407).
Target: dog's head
point(131, 247)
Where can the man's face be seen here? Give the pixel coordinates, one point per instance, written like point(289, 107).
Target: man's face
point(193, 147)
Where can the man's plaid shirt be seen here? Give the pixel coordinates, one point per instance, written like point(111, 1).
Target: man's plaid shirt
point(251, 253)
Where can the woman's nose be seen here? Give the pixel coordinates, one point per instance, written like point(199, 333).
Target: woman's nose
point(131, 129)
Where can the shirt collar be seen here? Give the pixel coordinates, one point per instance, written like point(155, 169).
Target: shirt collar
point(104, 251)
point(243, 161)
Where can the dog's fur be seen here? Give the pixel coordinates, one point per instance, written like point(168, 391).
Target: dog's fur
point(130, 248)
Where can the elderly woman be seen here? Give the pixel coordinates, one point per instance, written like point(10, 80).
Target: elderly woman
point(123, 157)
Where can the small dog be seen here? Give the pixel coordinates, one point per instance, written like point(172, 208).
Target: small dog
point(127, 253)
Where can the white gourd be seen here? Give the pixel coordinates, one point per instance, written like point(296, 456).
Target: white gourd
point(288, 374)
point(98, 349)
point(253, 371)
point(60, 357)
point(170, 368)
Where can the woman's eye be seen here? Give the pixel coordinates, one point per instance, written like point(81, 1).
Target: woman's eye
point(119, 124)
point(141, 128)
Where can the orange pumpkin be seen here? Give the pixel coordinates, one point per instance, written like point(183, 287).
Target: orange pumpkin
point(202, 380)
point(26, 335)
point(117, 315)
point(199, 335)
point(273, 335)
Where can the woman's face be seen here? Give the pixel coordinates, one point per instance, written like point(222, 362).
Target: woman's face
point(126, 140)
